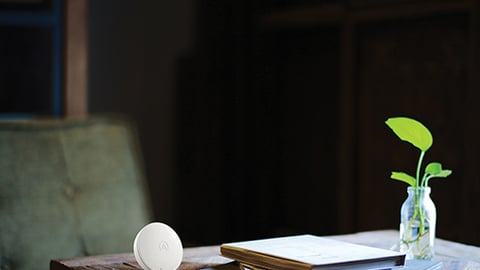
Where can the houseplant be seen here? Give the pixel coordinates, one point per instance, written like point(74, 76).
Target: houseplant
point(418, 213)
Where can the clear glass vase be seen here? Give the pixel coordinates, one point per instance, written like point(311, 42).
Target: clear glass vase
point(417, 227)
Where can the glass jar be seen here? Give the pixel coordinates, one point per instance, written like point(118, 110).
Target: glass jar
point(417, 224)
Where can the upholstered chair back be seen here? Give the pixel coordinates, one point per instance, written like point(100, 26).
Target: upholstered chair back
point(69, 188)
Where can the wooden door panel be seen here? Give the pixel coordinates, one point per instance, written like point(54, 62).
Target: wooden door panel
point(416, 68)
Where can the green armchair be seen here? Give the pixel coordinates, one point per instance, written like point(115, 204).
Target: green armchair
point(69, 188)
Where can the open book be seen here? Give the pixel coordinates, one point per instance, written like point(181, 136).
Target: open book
point(309, 252)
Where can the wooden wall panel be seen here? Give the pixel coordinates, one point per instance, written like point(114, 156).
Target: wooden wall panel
point(309, 134)
point(416, 68)
point(291, 75)
point(76, 54)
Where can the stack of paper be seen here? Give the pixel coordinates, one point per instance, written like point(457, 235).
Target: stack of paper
point(302, 252)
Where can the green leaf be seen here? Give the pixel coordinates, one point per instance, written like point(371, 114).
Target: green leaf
point(433, 168)
point(401, 176)
point(443, 173)
point(412, 131)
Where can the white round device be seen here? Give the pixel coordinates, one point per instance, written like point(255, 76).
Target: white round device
point(158, 247)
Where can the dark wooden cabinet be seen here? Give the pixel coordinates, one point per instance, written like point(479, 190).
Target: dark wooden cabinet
point(310, 85)
point(410, 58)
point(415, 59)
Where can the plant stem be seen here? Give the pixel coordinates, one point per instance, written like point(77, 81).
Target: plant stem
point(419, 166)
point(419, 209)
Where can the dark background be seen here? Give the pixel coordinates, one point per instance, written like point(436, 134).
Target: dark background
point(263, 118)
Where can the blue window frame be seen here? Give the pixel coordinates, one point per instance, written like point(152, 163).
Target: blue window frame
point(45, 19)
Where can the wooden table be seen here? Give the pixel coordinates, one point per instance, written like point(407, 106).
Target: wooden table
point(453, 255)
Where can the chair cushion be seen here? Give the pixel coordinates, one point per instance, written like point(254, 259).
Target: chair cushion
point(69, 188)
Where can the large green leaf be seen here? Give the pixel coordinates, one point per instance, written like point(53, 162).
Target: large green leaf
point(412, 131)
point(401, 176)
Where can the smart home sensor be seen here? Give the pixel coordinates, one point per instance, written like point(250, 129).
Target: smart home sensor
point(158, 247)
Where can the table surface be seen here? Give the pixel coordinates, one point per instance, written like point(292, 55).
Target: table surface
point(453, 255)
